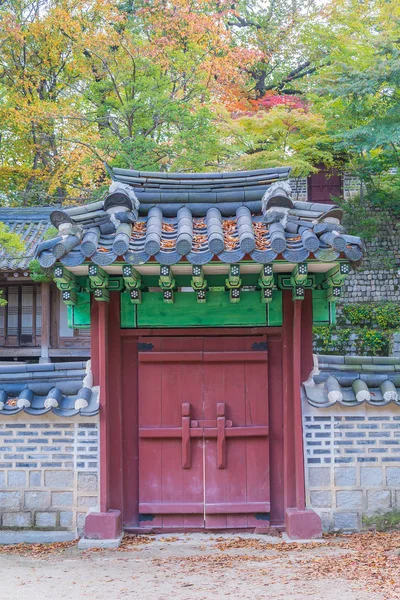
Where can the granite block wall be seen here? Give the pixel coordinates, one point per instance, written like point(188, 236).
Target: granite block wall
point(352, 463)
point(48, 472)
point(299, 188)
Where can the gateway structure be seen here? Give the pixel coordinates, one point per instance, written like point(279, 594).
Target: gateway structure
point(201, 291)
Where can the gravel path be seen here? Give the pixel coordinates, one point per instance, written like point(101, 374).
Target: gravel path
point(181, 567)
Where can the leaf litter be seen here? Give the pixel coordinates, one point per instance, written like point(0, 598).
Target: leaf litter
point(370, 560)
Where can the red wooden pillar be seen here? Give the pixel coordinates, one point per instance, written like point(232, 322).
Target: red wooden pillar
point(105, 343)
point(301, 523)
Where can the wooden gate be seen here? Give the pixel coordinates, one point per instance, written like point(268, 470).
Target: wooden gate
point(203, 432)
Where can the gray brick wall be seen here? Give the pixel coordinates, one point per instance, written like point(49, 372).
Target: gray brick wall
point(48, 473)
point(352, 463)
point(299, 188)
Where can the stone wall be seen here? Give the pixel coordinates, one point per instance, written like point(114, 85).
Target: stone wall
point(352, 463)
point(373, 282)
point(48, 472)
point(299, 188)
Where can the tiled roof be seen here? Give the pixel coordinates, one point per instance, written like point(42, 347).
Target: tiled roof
point(353, 380)
point(199, 217)
point(31, 225)
point(63, 388)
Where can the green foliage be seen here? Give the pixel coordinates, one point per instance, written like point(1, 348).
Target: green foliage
point(358, 91)
point(277, 137)
point(372, 342)
point(383, 316)
point(359, 219)
point(331, 340)
point(383, 522)
point(358, 314)
point(39, 274)
point(51, 233)
point(10, 242)
point(335, 340)
point(198, 86)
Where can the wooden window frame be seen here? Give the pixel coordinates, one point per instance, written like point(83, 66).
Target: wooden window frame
point(15, 341)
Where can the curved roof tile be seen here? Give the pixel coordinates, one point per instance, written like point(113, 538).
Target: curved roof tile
point(353, 380)
point(62, 388)
point(199, 216)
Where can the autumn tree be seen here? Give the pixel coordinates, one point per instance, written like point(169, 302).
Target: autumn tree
point(87, 83)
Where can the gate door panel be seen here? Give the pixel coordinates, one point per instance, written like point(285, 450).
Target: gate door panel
point(203, 430)
point(237, 460)
point(170, 377)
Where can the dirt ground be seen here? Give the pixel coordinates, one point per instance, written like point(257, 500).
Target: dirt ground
point(196, 567)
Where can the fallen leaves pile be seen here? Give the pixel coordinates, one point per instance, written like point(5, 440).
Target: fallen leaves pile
point(369, 560)
point(37, 550)
point(374, 562)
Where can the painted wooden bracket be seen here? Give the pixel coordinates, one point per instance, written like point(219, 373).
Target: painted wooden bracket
point(98, 277)
point(101, 295)
point(168, 296)
point(186, 454)
point(201, 296)
point(233, 280)
point(334, 281)
point(63, 277)
point(69, 297)
point(266, 295)
point(199, 284)
point(233, 283)
point(298, 280)
point(337, 275)
point(266, 283)
point(67, 284)
point(266, 276)
point(334, 293)
point(298, 292)
point(299, 274)
point(167, 284)
point(166, 277)
point(132, 278)
point(135, 296)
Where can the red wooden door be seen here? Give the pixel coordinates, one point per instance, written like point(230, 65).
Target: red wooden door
point(203, 430)
point(324, 186)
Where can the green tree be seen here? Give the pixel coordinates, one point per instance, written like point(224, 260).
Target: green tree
point(358, 91)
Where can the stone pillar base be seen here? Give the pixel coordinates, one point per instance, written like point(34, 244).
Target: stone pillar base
point(302, 524)
point(103, 525)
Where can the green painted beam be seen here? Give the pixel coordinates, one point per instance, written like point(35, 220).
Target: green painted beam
point(274, 310)
point(79, 315)
point(186, 312)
